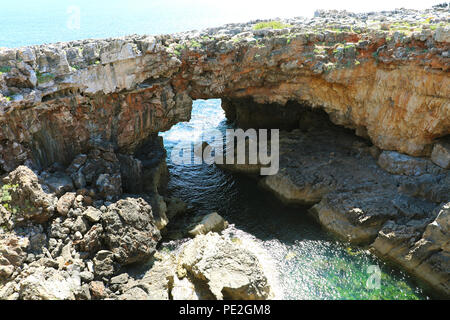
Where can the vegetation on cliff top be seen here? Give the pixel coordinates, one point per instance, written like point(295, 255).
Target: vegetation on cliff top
point(271, 25)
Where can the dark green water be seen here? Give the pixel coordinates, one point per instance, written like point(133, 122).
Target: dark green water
point(307, 262)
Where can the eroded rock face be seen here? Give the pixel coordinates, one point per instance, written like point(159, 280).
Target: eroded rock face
point(420, 246)
point(380, 82)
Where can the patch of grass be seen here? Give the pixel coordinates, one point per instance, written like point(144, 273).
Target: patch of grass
point(195, 44)
point(5, 196)
point(44, 77)
point(271, 25)
point(4, 69)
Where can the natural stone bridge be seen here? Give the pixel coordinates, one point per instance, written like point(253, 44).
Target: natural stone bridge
point(389, 83)
point(86, 112)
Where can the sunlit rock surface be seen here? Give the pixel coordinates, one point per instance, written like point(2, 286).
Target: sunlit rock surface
point(388, 80)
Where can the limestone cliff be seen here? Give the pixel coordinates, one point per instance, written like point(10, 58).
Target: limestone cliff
point(385, 75)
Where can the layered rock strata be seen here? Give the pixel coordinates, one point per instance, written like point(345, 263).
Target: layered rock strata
point(383, 74)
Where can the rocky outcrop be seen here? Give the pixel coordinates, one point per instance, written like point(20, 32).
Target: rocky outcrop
point(209, 266)
point(54, 246)
point(382, 74)
point(389, 201)
point(423, 249)
point(227, 269)
point(24, 197)
point(12, 254)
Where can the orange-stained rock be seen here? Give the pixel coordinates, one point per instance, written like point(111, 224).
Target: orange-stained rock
point(390, 84)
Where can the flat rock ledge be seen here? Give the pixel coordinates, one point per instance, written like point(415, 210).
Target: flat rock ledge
point(394, 203)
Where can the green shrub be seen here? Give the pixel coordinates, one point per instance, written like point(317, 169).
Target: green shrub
point(44, 77)
point(5, 196)
point(271, 25)
point(4, 69)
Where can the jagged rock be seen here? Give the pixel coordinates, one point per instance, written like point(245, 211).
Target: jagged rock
point(76, 164)
point(13, 252)
point(65, 203)
point(229, 270)
point(80, 225)
point(155, 284)
point(8, 291)
point(184, 290)
point(27, 198)
point(130, 230)
point(435, 188)
point(421, 247)
point(110, 186)
point(104, 265)
point(357, 214)
point(50, 284)
point(59, 183)
point(438, 232)
point(92, 240)
point(98, 290)
point(211, 222)
point(92, 214)
point(441, 154)
point(120, 279)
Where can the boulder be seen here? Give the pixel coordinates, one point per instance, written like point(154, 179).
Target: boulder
point(92, 214)
point(109, 185)
point(59, 183)
point(211, 222)
point(65, 203)
point(50, 284)
point(104, 266)
point(98, 290)
point(130, 230)
point(92, 240)
point(12, 254)
point(24, 195)
point(441, 154)
point(156, 282)
point(227, 269)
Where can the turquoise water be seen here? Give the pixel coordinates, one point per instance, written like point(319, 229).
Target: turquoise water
point(309, 263)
